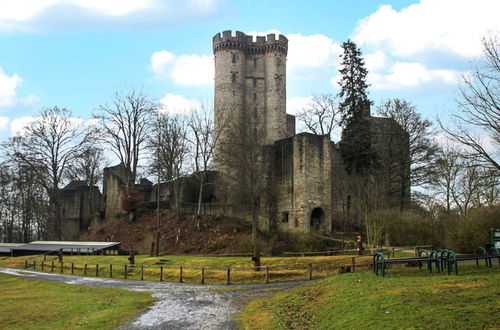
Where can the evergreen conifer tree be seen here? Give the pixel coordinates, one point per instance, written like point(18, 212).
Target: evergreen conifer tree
point(355, 146)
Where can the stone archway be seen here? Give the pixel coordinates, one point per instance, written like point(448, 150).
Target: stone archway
point(317, 218)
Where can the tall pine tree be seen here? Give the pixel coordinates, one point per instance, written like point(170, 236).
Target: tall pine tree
point(356, 145)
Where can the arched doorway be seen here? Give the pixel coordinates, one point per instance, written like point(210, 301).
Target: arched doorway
point(317, 218)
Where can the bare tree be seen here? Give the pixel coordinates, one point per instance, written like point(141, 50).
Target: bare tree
point(422, 149)
point(463, 183)
point(203, 137)
point(322, 114)
point(240, 159)
point(48, 147)
point(125, 125)
point(89, 167)
point(447, 170)
point(477, 120)
point(170, 149)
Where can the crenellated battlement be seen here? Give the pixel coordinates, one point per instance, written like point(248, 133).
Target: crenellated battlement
point(241, 41)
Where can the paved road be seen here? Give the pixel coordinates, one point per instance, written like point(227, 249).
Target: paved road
point(178, 306)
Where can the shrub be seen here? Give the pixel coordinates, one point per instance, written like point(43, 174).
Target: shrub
point(465, 234)
point(407, 228)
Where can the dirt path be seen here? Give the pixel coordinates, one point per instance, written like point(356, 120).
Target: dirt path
point(178, 306)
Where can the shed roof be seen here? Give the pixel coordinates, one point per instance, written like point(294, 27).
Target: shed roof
point(46, 246)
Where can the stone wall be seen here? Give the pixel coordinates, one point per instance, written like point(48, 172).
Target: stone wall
point(80, 204)
point(113, 185)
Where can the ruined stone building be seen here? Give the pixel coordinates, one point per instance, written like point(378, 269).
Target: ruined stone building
point(306, 183)
point(80, 204)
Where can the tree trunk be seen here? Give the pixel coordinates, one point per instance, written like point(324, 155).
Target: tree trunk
point(198, 211)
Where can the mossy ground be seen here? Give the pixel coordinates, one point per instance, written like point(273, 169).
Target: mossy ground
point(33, 304)
point(407, 298)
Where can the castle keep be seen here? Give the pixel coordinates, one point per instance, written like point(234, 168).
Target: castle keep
point(250, 76)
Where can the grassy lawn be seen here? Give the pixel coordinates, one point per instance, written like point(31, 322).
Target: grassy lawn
point(281, 268)
point(30, 304)
point(405, 298)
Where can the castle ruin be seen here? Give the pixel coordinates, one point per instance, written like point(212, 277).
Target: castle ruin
point(307, 186)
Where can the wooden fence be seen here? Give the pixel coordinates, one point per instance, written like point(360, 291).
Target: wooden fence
point(207, 275)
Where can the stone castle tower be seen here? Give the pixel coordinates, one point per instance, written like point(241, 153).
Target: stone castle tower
point(250, 80)
point(307, 187)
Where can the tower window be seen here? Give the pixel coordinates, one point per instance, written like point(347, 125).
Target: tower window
point(284, 216)
point(277, 60)
point(254, 62)
point(254, 96)
point(233, 57)
point(233, 76)
point(254, 82)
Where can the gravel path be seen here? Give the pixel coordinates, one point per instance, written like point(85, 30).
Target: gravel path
point(178, 306)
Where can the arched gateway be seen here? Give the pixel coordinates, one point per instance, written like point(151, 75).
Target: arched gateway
point(317, 218)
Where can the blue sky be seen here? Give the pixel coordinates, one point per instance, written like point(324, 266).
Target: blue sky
point(77, 53)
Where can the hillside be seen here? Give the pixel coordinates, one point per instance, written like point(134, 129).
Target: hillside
point(212, 235)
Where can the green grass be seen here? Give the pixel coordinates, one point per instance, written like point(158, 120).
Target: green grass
point(242, 267)
point(406, 298)
point(30, 304)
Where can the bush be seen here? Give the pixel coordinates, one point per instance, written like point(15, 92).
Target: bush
point(465, 234)
point(408, 228)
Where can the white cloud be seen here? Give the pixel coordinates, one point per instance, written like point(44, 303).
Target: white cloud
point(386, 75)
point(8, 87)
point(410, 75)
point(375, 61)
point(173, 103)
point(8, 95)
point(40, 15)
point(18, 125)
point(184, 70)
point(302, 62)
point(296, 104)
point(4, 123)
point(455, 26)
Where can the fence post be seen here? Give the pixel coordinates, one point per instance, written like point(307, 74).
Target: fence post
point(161, 273)
point(52, 267)
point(125, 273)
point(62, 265)
point(229, 276)
point(96, 270)
point(85, 270)
point(34, 264)
point(180, 274)
point(202, 275)
point(267, 274)
point(25, 264)
point(310, 271)
point(110, 270)
point(353, 264)
point(142, 272)
point(43, 264)
point(393, 255)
